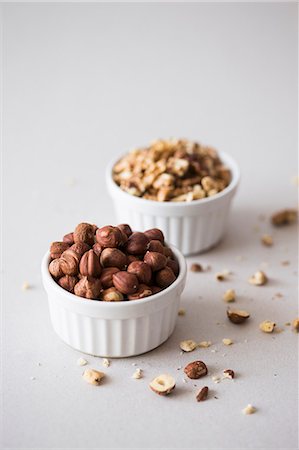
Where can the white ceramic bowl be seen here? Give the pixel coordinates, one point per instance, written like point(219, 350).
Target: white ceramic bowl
point(114, 329)
point(191, 226)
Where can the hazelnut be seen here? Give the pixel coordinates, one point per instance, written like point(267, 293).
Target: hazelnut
point(137, 243)
point(155, 260)
point(69, 238)
point(126, 283)
point(163, 384)
point(69, 262)
point(89, 288)
point(165, 277)
point(196, 369)
point(97, 248)
point(112, 257)
point(106, 276)
point(156, 246)
point(174, 265)
point(168, 252)
point(57, 248)
point(131, 258)
point(84, 232)
point(124, 238)
point(90, 264)
point(285, 217)
point(80, 248)
point(237, 316)
point(142, 292)
point(156, 234)
point(93, 376)
point(142, 271)
point(109, 236)
point(155, 289)
point(202, 395)
point(125, 228)
point(54, 268)
point(68, 282)
point(111, 295)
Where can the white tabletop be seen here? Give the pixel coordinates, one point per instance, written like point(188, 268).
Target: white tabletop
point(83, 83)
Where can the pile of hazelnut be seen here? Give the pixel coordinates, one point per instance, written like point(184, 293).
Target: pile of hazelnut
point(112, 263)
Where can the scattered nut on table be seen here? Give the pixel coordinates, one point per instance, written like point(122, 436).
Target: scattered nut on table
point(267, 326)
point(137, 374)
point(229, 296)
point(181, 312)
point(163, 384)
point(204, 344)
point(196, 369)
point(249, 409)
point(93, 376)
point(195, 267)
point(284, 217)
point(295, 325)
point(258, 279)
point(188, 345)
point(202, 394)
point(227, 341)
point(267, 240)
point(81, 362)
point(229, 373)
point(237, 316)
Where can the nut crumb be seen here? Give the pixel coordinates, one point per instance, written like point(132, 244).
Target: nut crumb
point(249, 409)
point(267, 240)
point(227, 341)
point(81, 362)
point(295, 325)
point(204, 344)
point(106, 362)
point(229, 296)
point(258, 279)
point(195, 267)
point(93, 376)
point(181, 312)
point(137, 374)
point(188, 345)
point(25, 286)
point(267, 326)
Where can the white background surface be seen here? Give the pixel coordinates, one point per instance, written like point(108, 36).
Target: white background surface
point(83, 83)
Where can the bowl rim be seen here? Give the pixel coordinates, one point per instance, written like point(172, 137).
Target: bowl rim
point(225, 157)
point(47, 278)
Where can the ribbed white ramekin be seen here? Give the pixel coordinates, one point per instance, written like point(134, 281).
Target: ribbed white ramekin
point(191, 226)
point(115, 329)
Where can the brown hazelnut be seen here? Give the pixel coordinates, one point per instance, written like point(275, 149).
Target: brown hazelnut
point(142, 271)
point(125, 228)
point(109, 236)
point(90, 264)
point(126, 283)
point(165, 277)
point(97, 248)
point(156, 246)
point(155, 234)
point(84, 232)
point(111, 295)
point(69, 262)
point(54, 268)
point(89, 288)
point(155, 260)
point(131, 258)
point(137, 243)
point(155, 289)
point(106, 276)
point(196, 369)
point(174, 265)
point(57, 248)
point(142, 292)
point(68, 282)
point(168, 252)
point(69, 238)
point(80, 248)
point(113, 257)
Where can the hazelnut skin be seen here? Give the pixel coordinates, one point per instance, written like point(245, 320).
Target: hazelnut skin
point(137, 243)
point(125, 228)
point(174, 265)
point(68, 282)
point(126, 283)
point(84, 232)
point(111, 295)
point(57, 248)
point(90, 264)
point(80, 248)
point(69, 238)
point(113, 257)
point(165, 277)
point(54, 268)
point(142, 271)
point(142, 292)
point(155, 234)
point(106, 276)
point(89, 288)
point(69, 262)
point(109, 236)
point(156, 246)
point(97, 248)
point(155, 260)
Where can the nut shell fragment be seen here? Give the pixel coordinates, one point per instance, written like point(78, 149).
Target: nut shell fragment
point(237, 315)
point(163, 384)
